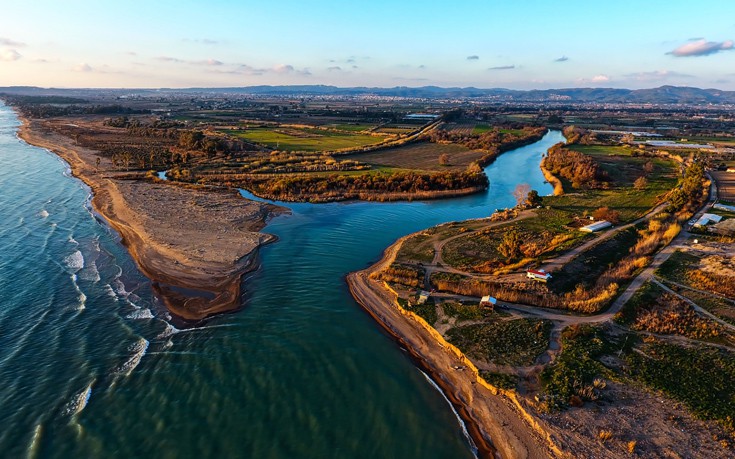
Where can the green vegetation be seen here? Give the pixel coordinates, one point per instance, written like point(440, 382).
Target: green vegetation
point(501, 380)
point(700, 377)
point(504, 342)
point(576, 369)
point(481, 129)
point(418, 248)
point(464, 312)
point(426, 311)
point(544, 236)
point(305, 139)
point(589, 265)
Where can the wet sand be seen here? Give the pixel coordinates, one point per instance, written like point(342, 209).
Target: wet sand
point(194, 244)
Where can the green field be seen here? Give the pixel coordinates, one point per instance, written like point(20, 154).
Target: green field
point(514, 342)
point(291, 139)
point(623, 170)
point(421, 156)
point(481, 128)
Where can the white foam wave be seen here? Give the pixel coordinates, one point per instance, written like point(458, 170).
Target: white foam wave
point(82, 301)
point(110, 291)
point(171, 330)
point(43, 214)
point(168, 331)
point(466, 434)
point(72, 240)
point(75, 261)
point(90, 273)
point(78, 402)
point(140, 314)
point(138, 351)
point(35, 441)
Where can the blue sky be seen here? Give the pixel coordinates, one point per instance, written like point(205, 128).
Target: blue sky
point(519, 44)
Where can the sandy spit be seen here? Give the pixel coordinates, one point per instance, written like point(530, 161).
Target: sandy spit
point(194, 244)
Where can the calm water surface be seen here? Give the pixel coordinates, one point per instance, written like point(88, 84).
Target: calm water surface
point(91, 367)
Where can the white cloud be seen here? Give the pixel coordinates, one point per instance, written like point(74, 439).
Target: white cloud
point(474, 57)
point(701, 47)
point(83, 67)
point(8, 55)
point(600, 78)
point(288, 68)
point(8, 42)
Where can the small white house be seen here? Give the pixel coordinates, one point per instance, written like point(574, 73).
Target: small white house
point(706, 219)
point(597, 226)
point(540, 275)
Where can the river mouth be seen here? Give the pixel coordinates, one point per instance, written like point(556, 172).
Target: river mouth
point(301, 371)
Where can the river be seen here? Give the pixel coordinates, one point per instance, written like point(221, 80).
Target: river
point(91, 367)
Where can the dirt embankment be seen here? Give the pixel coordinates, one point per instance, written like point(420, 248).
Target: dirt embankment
point(194, 244)
point(552, 179)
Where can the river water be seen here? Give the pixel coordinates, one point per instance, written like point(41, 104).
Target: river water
point(91, 367)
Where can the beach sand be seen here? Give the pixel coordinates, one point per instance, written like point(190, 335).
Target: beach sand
point(194, 244)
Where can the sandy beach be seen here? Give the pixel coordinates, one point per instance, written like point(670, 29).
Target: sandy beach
point(194, 244)
point(494, 421)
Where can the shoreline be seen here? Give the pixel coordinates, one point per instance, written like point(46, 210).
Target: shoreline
point(153, 219)
point(495, 419)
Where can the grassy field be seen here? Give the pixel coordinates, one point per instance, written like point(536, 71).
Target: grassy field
point(481, 129)
point(504, 342)
point(588, 266)
point(421, 156)
point(575, 369)
point(544, 237)
point(621, 195)
point(700, 377)
point(291, 139)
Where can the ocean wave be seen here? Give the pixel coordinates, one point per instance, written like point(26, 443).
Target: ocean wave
point(75, 261)
point(90, 272)
point(140, 314)
point(110, 291)
point(72, 240)
point(43, 214)
point(78, 402)
point(138, 350)
point(82, 298)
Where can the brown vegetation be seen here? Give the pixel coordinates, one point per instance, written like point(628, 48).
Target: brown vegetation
point(581, 170)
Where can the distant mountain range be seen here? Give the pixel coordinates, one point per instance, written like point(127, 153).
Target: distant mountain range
point(660, 95)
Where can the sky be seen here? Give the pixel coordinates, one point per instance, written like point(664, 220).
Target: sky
point(518, 44)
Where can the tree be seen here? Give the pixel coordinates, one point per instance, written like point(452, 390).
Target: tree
point(444, 159)
point(521, 193)
point(640, 183)
point(533, 199)
point(606, 213)
point(510, 246)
